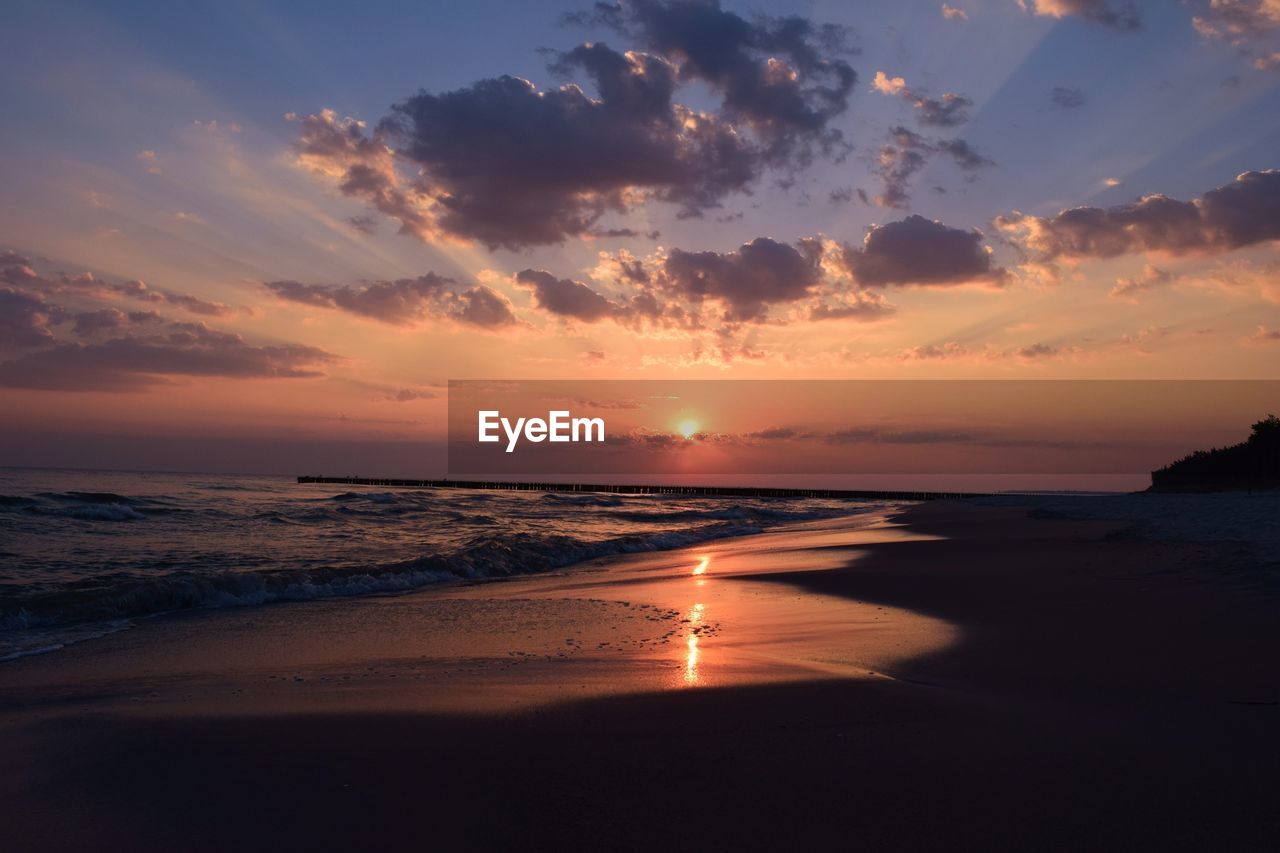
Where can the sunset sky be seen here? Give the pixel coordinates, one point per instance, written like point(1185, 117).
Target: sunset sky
point(256, 236)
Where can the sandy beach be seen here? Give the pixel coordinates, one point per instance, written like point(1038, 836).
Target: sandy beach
point(949, 677)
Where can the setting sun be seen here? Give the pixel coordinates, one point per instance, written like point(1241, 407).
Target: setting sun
point(688, 428)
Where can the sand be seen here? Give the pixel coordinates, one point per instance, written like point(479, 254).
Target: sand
point(958, 678)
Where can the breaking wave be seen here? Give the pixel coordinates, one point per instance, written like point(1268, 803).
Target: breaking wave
point(77, 559)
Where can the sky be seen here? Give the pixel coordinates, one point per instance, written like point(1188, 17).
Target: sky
point(264, 237)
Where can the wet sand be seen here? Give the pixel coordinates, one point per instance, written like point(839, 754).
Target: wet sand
point(964, 678)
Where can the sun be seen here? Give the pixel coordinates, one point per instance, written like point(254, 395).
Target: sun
point(688, 428)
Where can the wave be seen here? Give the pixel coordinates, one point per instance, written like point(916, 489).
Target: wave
point(89, 506)
point(594, 499)
point(130, 597)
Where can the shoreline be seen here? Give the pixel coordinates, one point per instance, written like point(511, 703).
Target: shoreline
point(997, 682)
point(221, 591)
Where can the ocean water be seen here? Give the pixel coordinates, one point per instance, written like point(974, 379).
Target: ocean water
point(84, 553)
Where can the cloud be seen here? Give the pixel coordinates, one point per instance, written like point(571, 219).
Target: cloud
point(1263, 335)
point(123, 350)
point(506, 164)
point(962, 154)
point(1034, 351)
point(149, 161)
point(761, 273)
point(907, 153)
point(565, 297)
point(1243, 213)
point(1270, 62)
point(862, 307)
point(409, 395)
point(17, 270)
point(90, 324)
point(25, 319)
point(785, 78)
point(1152, 278)
point(886, 85)
point(1121, 16)
point(951, 13)
point(509, 165)
point(132, 362)
point(1067, 99)
point(362, 166)
point(948, 111)
point(1236, 20)
point(630, 233)
point(898, 160)
point(482, 307)
point(714, 298)
point(918, 251)
point(405, 301)
point(932, 352)
point(363, 224)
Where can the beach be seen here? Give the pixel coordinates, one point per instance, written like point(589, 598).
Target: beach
point(940, 676)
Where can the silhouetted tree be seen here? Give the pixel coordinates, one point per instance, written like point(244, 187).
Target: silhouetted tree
point(1252, 464)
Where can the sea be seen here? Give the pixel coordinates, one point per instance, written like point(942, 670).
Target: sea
point(87, 553)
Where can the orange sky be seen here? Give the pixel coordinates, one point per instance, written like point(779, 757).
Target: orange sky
point(209, 253)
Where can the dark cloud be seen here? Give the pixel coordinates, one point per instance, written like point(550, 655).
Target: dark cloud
point(948, 111)
point(405, 301)
point(363, 166)
point(482, 307)
point(840, 195)
point(131, 362)
point(25, 319)
point(16, 269)
point(1243, 213)
point(612, 233)
point(962, 154)
point(785, 78)
point(1037, 351)
point(1118, 15)
point(1067, 99)
point(89, 284)
point(196, 305)
point(409, 395)
point(565, 297)
point(509, 165)
point(749, 280)
point(111, 320)
point(363, 224)
point(907, 153)
point(916, 250)
point(512, 166)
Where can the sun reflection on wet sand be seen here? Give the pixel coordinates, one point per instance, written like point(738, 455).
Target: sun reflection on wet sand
point(701, 568)
point(691, 655)
point(691, 661)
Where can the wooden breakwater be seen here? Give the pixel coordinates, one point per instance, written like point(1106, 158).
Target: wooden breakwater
point(641, 489)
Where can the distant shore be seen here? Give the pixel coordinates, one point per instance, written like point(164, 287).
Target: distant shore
point(961, 677)
point(643, 489)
